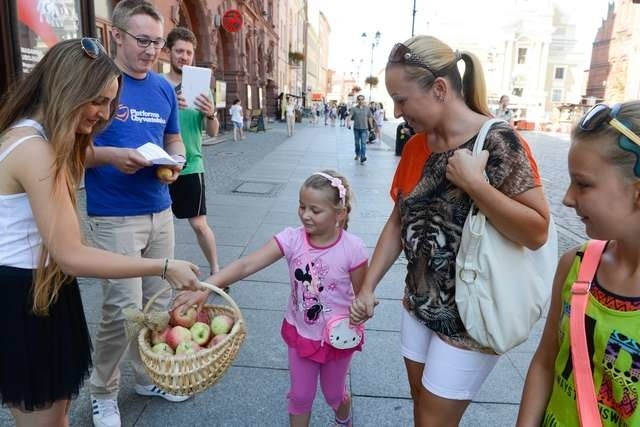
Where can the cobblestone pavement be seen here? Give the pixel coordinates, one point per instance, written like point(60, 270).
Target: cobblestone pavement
point(252, 391)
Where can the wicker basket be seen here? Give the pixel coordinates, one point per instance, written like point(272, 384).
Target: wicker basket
point(187, 374)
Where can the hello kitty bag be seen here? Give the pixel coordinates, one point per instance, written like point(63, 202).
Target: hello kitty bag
point(341, 334)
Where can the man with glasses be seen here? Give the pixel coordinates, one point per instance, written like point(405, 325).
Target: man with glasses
point(362, 118)
point(128, 206)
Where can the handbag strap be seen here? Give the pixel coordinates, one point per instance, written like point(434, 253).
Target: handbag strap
point(582, 375)
point(482, 135)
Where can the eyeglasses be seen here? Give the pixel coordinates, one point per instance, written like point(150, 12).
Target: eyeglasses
point(401, 54)
point(145, 42)
point(91, 47)
point(602, 113)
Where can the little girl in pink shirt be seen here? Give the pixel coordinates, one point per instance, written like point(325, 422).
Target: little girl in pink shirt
point(327, 265)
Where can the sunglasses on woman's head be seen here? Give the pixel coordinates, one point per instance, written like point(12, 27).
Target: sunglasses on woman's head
point(401, 54)
point(601, 114)
point(91, 47)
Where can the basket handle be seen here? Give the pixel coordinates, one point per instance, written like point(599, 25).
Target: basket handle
point(206, 285)
point(225, 296)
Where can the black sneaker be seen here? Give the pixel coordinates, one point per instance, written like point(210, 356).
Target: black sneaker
point(362, 160)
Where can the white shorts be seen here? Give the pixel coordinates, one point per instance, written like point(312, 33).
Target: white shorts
point(450, 372)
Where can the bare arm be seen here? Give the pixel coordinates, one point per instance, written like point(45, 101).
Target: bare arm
point(57, 221)
point(524, 219)
point(357, 277)
point(237, 270)
point(126, 160)
point(204, 104)
point(212, 125)
point(386, 252)
point(539, 381)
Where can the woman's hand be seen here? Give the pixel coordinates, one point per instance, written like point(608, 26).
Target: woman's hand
point(189, 299)
point(182, 275)
point(465, 170)
point(362, 308)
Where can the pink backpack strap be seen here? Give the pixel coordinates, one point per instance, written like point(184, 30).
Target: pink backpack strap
point(582, 375)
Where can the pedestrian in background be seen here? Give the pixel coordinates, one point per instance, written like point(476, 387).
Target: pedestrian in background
point(378, 118)
point(128, 204)
point(362, 118)
point(46, 348)
point(503, 111)
point(291, 115)
point(326, 266)
point(188, 192)
point(604, 167)
point(435, 183)
point(237, 118)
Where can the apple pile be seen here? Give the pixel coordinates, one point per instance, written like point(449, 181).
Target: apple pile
point(190, 331)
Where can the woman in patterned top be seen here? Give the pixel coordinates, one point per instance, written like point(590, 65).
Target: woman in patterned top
point(435, 183)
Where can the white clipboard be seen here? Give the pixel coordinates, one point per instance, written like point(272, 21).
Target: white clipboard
point(195, 81)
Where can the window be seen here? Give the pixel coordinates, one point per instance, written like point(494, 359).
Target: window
point(556, 95)
point(522, 55)
point(517, 91)
point(558, 74)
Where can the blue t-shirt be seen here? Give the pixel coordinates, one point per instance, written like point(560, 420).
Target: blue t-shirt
point(147, 111)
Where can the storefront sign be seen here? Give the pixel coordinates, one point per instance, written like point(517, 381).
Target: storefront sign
point(232, 20)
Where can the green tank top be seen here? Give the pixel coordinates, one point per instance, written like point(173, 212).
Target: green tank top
point(613, 338)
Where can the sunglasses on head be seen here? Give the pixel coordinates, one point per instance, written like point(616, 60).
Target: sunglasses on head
point(401, 54)
point(91, 47)
point(603, 114)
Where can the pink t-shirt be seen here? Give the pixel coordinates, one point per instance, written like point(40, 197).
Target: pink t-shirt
point(330, 293)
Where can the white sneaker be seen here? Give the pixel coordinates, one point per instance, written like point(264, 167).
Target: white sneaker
point(105, 412)
point(152, 390)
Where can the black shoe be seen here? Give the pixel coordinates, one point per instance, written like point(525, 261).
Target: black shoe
point(362, 160)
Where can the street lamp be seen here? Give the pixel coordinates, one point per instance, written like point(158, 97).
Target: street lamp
point(374, 43)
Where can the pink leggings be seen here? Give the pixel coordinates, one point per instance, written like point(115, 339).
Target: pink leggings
point(304, 382)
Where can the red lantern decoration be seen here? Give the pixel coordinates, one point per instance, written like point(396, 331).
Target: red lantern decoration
point(232, 20)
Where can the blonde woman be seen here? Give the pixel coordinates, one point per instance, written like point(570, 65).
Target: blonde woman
point(47, 123)
point(435, 183)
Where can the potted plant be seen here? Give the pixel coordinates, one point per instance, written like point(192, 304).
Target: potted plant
point(296, 57)
point(371, 81)
point(356, 89)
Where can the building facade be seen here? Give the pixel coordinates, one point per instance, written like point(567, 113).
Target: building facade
point(244, 63)
point(614, 74)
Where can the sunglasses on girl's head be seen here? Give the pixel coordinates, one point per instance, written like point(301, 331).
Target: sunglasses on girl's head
point(91, 47)
point(601, 114)
point(401, 54)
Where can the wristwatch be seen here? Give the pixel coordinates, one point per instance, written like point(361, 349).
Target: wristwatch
point(211, 116)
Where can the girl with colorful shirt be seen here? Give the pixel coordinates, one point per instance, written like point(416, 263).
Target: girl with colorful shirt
point(604, 166)
point(326, 267)
point(435, 183)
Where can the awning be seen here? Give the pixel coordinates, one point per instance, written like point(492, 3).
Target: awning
point(316, 96)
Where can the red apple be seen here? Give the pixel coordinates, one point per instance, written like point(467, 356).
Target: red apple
point(177, 335)
point(203, 316)
point(187, 347)
point(200, 333)
point(216, 340)
point(183, 316)
point(162, 348)
point(159, 337)
point(221, 324)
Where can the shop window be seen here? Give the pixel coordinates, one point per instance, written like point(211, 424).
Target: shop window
point(522, 55)
point(43, 24)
